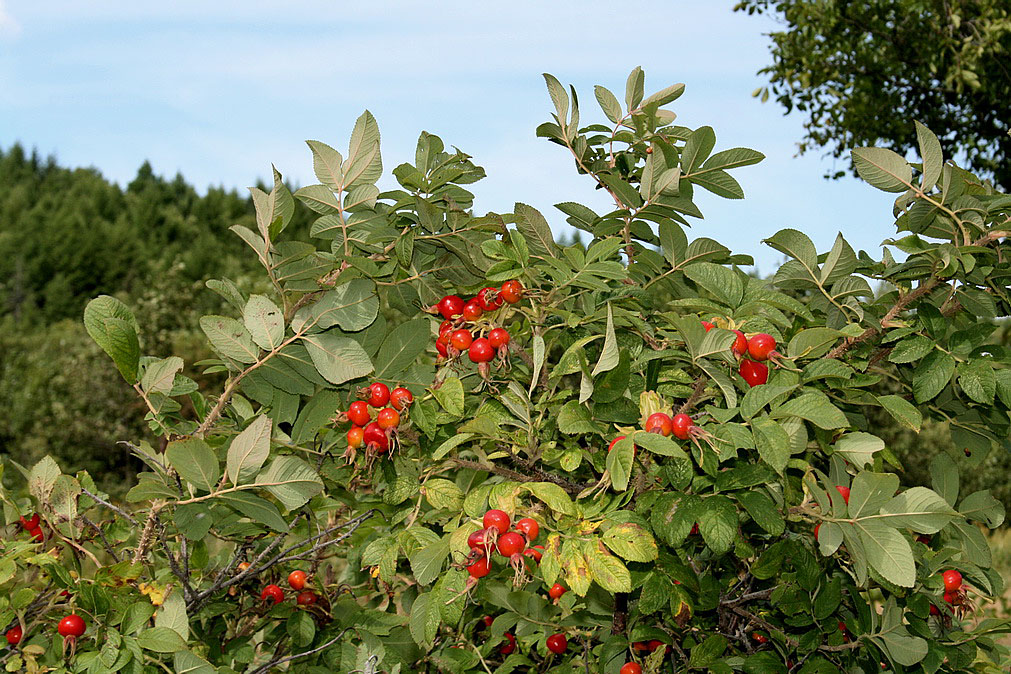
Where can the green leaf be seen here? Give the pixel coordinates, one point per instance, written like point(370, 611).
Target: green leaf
point(888, 552)
point(813, 407)
point(113, 327)
point(160, 375)
point(338, 359)
point(719, 183)
point(883, 168)
point(859, 448)
point(255, 508)
point(451, 444)
point(535, 229)
point(574, 419)
point(450, 396)
point(319, 198)
point(301, 628)
point(402, 347)
point(136, 616)
point(981, 506)
point(634, 88)
point(161, 640)
point(364, 164)
point(733, 158)
point(812, 342)
point(619, 463)
point(944, 477)
point(264, 321)
point(658, 444)
point(696, 150)
point(978, 380)
point(443, 494)
point(230, 338)
point(919, 509)
point(772, 443)
point(761, 509)
point(722, 282)
point(931, 155)
point(902, 411)
point(632, 542)
point(664, 96)
point(870, 491)
point(291, 480)
point(706, 653)
point(553, 496)
point(718, 523)
point(427, 561)
point(249, 451)
point(798, 246)
point(606, 569)
point(172, 614)
point(609, 355)
point(326, 163)
point(195, 462)
point(425, 618)
point(911, 349)
point(608, 103)
point(932, 375)
point(353, 306)
point(758, 397)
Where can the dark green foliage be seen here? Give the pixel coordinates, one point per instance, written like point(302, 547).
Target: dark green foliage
point(941, 62)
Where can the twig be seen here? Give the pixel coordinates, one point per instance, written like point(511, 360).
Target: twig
point(514, 475)
point(280, 661)
point(697, 391)
point(114, 508)
point(101, 534)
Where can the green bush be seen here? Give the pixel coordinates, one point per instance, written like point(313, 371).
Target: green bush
point(669, 465)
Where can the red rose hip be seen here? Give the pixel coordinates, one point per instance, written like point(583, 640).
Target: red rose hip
point(450, 306)
point(401, 398)
point(528, 527)
point(72, 625)
point(681, 426)
point(499, 519)
point(557, 643)
point(761, 346)
point(753, 372)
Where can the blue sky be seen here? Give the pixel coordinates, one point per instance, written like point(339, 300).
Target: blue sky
point(219, 91)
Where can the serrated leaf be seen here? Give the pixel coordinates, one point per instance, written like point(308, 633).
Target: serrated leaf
point(160, 375)
point(195, 462)
point(883, 168)
point(338, 359)
point(607, 570)
point(291, 480)
point(632, 542)
point(902, 411)
point(932, 375)
point(230, 338)
point(249, 451)
point(353, 306)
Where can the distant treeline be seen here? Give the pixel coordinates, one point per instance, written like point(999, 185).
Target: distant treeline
point(67, 235)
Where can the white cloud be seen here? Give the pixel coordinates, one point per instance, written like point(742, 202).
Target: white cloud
point(9, 27)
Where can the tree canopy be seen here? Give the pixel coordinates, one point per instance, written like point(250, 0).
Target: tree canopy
point(860, 70)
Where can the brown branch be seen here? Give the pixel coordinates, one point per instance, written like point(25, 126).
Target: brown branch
point(619, 618)
point(889, 316)
point(568, 486)
point(697, 391)
point(280, 661)
point(904, 301)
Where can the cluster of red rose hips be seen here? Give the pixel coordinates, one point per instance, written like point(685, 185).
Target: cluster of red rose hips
point(760, 347)
point(681, 426)
point(954, 593)
point(463, 330)
point(375, 435)
point(496, 535)
point(33, 525)
point(70, 627)
point(273, 594)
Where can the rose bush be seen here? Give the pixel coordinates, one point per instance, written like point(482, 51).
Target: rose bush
point(447, 443)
